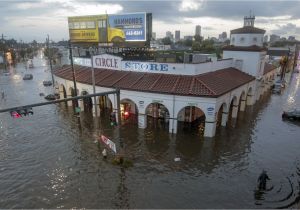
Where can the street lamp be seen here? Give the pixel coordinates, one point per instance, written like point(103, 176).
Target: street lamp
point(93, 81)
point(50, 59)
point(73, 71)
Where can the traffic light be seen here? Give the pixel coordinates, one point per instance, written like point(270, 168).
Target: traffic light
point(21, 112)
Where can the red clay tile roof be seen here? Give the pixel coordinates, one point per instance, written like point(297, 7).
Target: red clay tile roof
point(248, 30)
point(268, 68)
point(211, 84)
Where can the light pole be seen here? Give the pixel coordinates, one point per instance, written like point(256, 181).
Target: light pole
point(50, 59)
point(73, 71)
point(94, 85)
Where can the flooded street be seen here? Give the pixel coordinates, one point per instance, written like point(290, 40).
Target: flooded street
point(51, 160)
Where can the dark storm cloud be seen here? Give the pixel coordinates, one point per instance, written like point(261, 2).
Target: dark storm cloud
point(288, 29)
point(168, 11)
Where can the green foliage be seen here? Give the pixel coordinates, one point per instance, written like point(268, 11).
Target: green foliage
point(196, 46)
point(166, 41)
point(198, 38)
point(122, 162)
point(188, 42)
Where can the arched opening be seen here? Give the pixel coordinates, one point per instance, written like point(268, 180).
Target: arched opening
point(191, 118)
point(87, 102)
point(157, 116)
point(129, 110)
point(222, 115)
point(105, 104)
point(233, 111)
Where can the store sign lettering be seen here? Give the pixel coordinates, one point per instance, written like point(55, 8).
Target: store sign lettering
point(137, 66)
point(107, 62)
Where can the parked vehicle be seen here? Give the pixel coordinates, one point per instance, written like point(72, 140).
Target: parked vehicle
point(50, 97)
point(277, 89)
point(292, 115)
point(47, 83)
point(27, 77)
point(30, 63)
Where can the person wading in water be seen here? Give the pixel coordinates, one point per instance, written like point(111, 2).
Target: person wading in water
point(262, 180)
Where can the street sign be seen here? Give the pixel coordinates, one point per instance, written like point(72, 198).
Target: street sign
point(109, 143)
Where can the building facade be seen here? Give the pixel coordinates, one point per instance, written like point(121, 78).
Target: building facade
point(208, 94)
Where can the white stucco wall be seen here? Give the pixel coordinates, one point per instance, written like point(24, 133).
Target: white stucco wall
point(251, 60)
point(246, 39)
point(166, 68)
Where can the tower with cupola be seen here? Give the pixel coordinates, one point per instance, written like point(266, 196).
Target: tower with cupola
point(246, 47)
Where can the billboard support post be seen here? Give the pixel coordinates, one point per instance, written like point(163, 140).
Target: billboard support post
point(94, 86)
point(73, 71)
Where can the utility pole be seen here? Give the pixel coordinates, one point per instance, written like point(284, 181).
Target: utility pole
point(50, 59)
point(74, 75)
point(94, 85)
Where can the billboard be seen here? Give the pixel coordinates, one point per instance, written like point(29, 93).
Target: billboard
point(109, 28)
point(133, 25)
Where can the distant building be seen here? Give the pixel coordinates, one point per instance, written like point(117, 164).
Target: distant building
point(266, 38)
point(223, 37)
point(292, 38)
point(198, 30)
point(170, 35)
point(274, 38)
point(177, 36)
point(188, 37)
point(153, 35)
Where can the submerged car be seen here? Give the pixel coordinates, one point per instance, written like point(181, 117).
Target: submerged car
point(27, 77)
point(51, 97)
point(277, 89)
point(293, 115)
point(47, 83)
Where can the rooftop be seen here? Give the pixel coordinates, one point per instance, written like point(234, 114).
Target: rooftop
point(211, 84)
point(248, 30)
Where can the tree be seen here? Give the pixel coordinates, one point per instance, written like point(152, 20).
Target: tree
point(188, 42)
point(196, 46)
point(166, 41)
point(198, 38)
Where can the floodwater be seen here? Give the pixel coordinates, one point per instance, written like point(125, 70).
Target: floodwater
point(52, 160)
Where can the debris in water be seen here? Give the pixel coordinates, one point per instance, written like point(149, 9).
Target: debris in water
point(177, 159)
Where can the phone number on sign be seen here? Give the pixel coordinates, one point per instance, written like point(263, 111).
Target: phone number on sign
point(134, 33)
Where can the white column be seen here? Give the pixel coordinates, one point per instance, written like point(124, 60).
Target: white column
point(210, 129)
point(250, 100)
point(173, 126)
point(243, 105)
point(61, 94)
point(98, 110)
point(142, 120)
point(81, 104)
point(70, 103)
point(56, 90)
point(224, 118)
point(234, 112)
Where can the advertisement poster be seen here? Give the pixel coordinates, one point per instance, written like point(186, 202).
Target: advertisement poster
point(133, 25)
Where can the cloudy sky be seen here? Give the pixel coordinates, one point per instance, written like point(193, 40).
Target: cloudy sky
point(34, 19)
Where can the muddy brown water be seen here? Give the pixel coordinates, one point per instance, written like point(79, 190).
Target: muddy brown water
point(51, 160)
